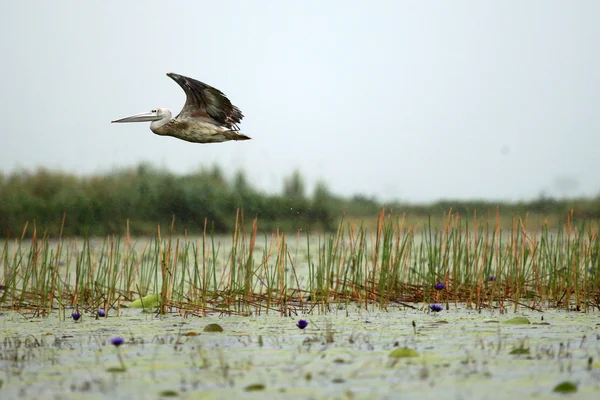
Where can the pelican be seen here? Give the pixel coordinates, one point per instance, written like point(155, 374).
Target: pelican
point(207, 115)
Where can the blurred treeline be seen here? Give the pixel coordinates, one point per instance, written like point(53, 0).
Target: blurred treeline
point(147, 197)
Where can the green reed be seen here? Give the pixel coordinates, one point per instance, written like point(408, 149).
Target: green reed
point(481, 262)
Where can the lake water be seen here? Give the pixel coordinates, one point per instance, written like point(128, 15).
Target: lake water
point(463, 354)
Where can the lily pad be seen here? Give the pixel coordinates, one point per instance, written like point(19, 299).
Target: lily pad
point(404, 352)
point(519, 351)
point(256, 387)
point(213, 328)
point(116, 369)
point(150, 301)
point(169, 393)
point(565, 387)
point(517, 321)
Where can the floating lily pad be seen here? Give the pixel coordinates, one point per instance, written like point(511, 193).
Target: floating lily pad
point(256, 387)
point(517, 321)
point(404, 352)
point(169, 393)
point(116, 369)
point(150, 301)
point(565, 387)
point(213, 328)
point(519, 351)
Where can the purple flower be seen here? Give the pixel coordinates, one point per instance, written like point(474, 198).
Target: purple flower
point(439, 286)
point(492, 278)
point(436, 307)
point(117, 341)
point(101, 313)
point(76, 315)
point(302, 324)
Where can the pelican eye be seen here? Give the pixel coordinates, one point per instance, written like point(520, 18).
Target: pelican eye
point(153, 111)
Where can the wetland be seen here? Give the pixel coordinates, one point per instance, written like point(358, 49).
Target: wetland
point(456, 311)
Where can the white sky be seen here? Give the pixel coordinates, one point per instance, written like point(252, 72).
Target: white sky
point(415, 101)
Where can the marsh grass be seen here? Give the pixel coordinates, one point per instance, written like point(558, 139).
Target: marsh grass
point(480, 262)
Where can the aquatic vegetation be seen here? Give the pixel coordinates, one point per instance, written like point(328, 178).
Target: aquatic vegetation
point(256, 387)
point(158, 356)
point(520, 351)
point(436, 307)
point(302, 323)
point(169, 393)
point(117, 342)
point(517, 321)
point(213, 328)
point(404, 352)
point(383, 266)
point(565, 387)
point(149, 301)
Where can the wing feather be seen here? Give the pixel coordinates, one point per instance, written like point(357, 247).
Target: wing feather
point(205, 101)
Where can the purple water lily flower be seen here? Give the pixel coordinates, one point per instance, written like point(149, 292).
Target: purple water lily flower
point(302, 324)
point(435, 307)
point(439, 286)
point(101, 313)
point(492, 278)
point(117, 341)
point(76, 315)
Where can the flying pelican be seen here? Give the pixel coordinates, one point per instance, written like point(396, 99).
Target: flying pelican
point(207, 116)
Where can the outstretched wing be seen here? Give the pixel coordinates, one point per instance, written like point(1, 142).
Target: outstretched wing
point(205, 101)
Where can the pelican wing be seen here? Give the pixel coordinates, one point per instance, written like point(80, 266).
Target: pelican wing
point(205, 101)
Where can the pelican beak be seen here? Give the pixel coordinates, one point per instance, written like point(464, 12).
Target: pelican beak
point(143, 117)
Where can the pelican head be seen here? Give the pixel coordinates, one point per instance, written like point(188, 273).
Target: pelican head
point(158, 117)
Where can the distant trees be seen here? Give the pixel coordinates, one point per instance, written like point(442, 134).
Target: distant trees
point(146, 196)
point(324, 206)
point(293, 186)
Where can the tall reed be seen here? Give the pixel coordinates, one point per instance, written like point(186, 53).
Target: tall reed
point(480, 262)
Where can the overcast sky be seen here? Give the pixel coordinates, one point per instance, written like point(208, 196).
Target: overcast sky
point(415, 101)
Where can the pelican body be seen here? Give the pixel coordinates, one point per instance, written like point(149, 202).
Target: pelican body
point(207, 116)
